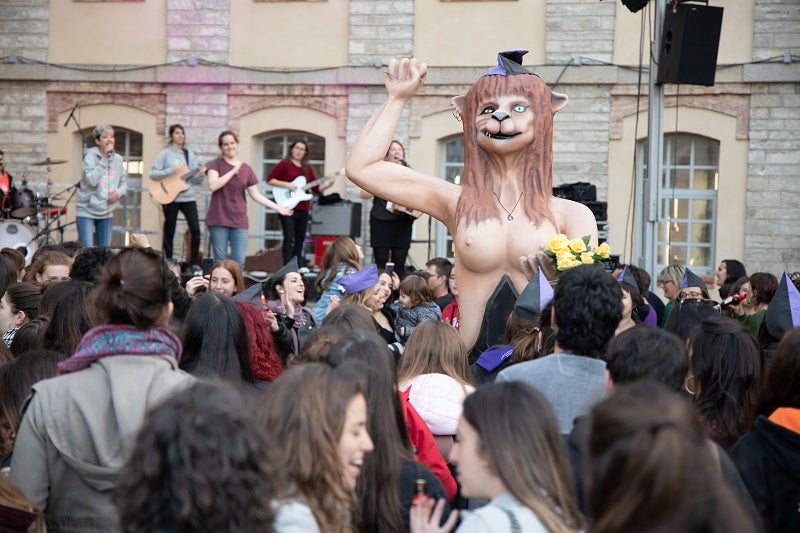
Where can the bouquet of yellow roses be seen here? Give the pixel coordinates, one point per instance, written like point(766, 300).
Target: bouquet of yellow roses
point(566, 253)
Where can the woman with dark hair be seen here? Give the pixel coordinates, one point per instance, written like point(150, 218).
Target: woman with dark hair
point(93, 409)
point(8, 273)
point(390, 229)
point(29, 336)
point(725, 369)
point(391, 465)
point(198, 465)
point(519, 464)
point(17, 258)
point(72, 317)
point(16, 379)
point(758, 292)
point(317, 418)
point(685, 316)
point(177, 159)
point(19, 304)
point(215, 340)
point(229, 178)
point(287, 295)
point(631, 301)
point(768, 457)
point(288, 169)
point(650, 467)
point(728, 271)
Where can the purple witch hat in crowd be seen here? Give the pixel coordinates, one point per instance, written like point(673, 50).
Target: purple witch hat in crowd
point(534, 297)
point(626, 276)
point(690, 279)
point(358, 281)
point(783, 312)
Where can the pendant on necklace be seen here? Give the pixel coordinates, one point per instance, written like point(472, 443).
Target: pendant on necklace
point(509, 217)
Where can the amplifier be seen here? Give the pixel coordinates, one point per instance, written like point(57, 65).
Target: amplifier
point(336, 219)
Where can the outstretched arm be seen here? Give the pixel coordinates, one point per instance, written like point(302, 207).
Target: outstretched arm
point(366, 166)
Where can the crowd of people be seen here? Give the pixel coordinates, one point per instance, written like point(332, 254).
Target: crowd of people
point(134, 399)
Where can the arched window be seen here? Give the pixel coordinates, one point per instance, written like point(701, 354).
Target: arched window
point(687, 220)
point(274, 146)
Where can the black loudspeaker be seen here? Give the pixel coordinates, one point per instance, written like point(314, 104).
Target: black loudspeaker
point(689, 44)
point(336, 219)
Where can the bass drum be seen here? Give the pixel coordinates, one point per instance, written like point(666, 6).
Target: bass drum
point(15, 234)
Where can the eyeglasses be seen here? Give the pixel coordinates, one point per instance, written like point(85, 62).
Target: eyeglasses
point(690, 296)
point(663, 281)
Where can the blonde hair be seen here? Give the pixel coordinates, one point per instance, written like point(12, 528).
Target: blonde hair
point(434, 347)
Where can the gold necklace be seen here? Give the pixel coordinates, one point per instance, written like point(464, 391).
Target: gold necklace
point(509, 213)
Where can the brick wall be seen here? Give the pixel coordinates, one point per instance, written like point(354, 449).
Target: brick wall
point(24, 27)
point(380, 29)
point(198, 28)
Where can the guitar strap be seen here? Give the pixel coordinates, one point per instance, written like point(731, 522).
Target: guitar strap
point(186, 156)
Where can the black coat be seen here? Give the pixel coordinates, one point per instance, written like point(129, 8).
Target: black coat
point(769, 462)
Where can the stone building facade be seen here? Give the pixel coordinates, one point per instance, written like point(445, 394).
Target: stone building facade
point(270, 70)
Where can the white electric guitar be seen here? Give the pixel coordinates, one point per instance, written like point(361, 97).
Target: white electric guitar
point(285, 197)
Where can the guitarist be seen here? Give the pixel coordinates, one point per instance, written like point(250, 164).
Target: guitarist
point(294, 165)
point(169, 161)
point(390, 232)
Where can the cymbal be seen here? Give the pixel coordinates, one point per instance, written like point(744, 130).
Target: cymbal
point(48, 161)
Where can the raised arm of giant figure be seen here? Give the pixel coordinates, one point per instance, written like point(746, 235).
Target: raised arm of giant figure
point(505, 210)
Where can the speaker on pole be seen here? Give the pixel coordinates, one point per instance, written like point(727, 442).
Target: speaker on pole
point(689, 44)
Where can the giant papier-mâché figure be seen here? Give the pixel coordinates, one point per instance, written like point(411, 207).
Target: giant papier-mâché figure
point(504, 213)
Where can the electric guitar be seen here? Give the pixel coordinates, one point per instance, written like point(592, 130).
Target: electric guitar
point(164, 191)
point(289, 199)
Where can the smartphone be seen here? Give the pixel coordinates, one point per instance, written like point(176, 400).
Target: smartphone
point(207, 263)
point(389, 267)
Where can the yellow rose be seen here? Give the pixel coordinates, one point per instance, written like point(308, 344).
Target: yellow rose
point(603, 250)
point(566, 261)
point(577, 245)
point(558, 243)
point(587, 258)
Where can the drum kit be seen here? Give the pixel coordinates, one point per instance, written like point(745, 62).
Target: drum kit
point(28, 218)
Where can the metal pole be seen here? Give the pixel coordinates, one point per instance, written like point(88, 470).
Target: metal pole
point(647, 235)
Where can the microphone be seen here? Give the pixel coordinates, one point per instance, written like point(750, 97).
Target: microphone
point(403, 161)
point(71, 114)
point(732, 300)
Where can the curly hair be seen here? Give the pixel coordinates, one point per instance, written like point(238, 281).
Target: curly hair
point(304, 411)
point(89, 262)
point(537, 179)
point(198, 465)
point(587, 303)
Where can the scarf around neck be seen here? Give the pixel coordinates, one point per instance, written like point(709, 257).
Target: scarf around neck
point(116, 339)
